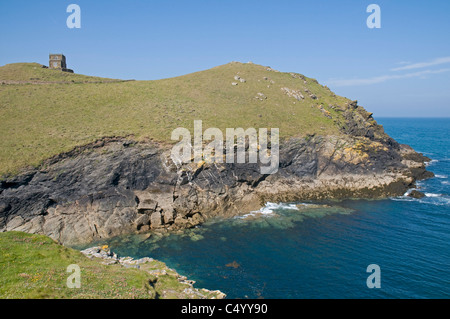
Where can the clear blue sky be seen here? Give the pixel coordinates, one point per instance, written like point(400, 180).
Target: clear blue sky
point(402, 69)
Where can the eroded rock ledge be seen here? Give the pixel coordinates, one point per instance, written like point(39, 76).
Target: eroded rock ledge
point(117, 186)
point(180, 287)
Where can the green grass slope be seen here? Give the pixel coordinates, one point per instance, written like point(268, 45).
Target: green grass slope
point(35, 73)
point(34, 267)
point(42, 120)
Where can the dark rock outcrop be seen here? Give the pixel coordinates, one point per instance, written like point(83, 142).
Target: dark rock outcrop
point(416, 194)
point(117, 186)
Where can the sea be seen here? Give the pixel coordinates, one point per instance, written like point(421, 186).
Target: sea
point(391, 248)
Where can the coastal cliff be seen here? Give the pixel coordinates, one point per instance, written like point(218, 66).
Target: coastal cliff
point(114, 187)
point(122, 185)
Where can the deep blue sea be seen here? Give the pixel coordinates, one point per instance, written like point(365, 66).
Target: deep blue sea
point(323, 250)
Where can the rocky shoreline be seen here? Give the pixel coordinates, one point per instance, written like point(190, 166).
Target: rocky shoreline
point(182, 289)
point(117, 186)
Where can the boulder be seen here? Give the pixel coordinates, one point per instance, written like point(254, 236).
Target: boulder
point(168, 216)
point(15, 223)
point(146, 203)
point(293, 93)
point(180, 222)
point(143, 220)
point(196, 219)
point(354, 104)
point(155, 220)
point(260, 96)
point(416, 194)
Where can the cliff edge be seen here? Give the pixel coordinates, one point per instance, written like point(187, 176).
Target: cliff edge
point(107, 186)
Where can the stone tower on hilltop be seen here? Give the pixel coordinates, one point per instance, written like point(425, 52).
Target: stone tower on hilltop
point(58, 62)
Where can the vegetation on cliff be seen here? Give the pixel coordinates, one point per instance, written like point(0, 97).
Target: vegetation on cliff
point(45, 112)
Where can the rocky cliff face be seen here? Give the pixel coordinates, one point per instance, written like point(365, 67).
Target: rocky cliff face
point(116, 186)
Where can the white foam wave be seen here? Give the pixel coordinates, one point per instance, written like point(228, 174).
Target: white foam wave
point(440, 176)
point(431, 162)
point(268, 209)
point(426, 153)
point(408, 191)
point(432, 195)
point(403, 198)
point(436, 200)
point(430, 198)
point(420, 184)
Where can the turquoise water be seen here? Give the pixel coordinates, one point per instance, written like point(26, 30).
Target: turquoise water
point(323, 250)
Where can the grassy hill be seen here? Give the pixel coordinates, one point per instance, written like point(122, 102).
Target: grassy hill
point(41, 119)
point(35, 73)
